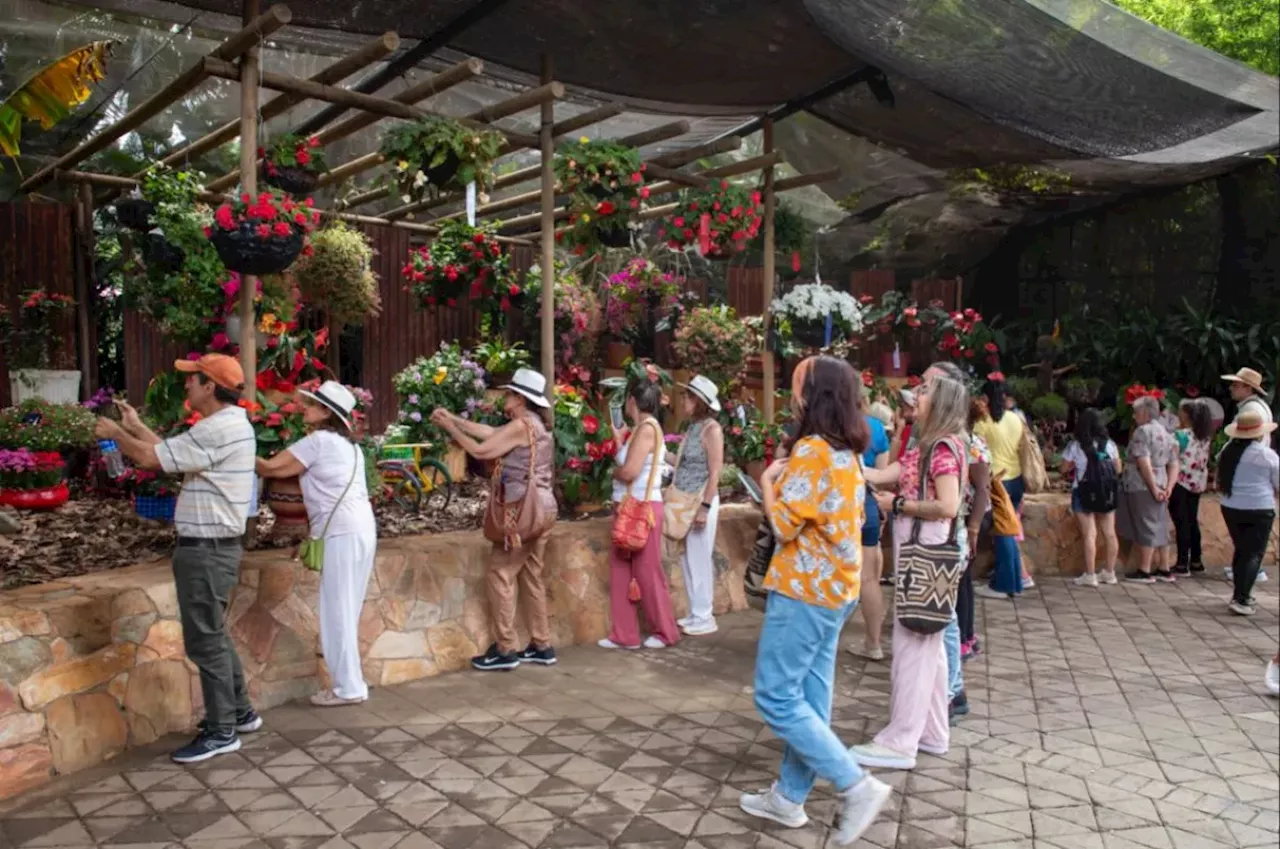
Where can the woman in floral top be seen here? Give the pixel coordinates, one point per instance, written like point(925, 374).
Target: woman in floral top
point(1194, 433)
point(815, 501)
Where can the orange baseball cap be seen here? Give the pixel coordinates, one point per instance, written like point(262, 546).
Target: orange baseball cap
point(221, 369)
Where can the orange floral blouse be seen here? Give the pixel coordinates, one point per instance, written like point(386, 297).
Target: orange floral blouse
point(817, 523)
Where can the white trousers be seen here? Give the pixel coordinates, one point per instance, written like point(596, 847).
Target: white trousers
point(348, 562)
point(699, 567)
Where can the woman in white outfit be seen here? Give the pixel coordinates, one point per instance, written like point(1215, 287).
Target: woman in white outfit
point(332, 474)
point(698, 471)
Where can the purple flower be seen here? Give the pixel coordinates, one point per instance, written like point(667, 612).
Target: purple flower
point(471, 404)
point(413, 399)
point(415, 416)
point(479, 385)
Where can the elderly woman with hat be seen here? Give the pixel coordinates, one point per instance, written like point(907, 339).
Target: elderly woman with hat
point(527, 453)
point(1249, 478)
point(331, 471)
point(698, 472)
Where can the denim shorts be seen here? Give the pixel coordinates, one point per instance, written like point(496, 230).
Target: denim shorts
point(871, 526)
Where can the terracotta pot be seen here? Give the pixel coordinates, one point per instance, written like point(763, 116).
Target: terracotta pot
point(36, 499)
point(616, 354)
point(886, 364)
point(755, 470)
point(284, 497)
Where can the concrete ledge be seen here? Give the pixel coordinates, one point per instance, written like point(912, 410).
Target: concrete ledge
point(93, 665)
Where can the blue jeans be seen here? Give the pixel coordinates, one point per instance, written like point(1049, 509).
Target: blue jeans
point(1007, 576)
point(795, 685)
point(1016, 489)
point(955, 669)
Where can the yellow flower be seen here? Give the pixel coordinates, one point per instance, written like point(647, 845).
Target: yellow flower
point(585, 218)
point(402, 165)
point(584, 139)
point(441, 373)
point(268, 322)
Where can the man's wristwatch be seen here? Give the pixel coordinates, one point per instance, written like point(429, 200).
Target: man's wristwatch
point(706, 506)
point(898, 502)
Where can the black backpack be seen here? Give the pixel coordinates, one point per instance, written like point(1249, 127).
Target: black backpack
point(1099, 491)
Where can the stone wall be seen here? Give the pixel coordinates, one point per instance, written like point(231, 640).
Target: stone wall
point(90, 666)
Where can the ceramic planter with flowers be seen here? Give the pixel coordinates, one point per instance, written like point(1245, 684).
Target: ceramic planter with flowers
point(32, 480)
point(718, 222)
point(293, 163)
point(30, 343)
point(814, 316)
point(636, 299)
point(605, 183)
point(462, 263)
point(263, 235)
point(436, 154)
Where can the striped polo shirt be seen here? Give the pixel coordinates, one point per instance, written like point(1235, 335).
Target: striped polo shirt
point(216, 458)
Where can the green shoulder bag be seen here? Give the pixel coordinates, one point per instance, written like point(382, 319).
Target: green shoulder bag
point(311, 549)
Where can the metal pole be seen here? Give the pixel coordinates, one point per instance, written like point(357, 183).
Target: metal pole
point(766, 355)
point(249, 183)
point(548, 263)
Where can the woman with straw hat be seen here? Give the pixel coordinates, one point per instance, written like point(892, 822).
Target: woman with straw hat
point(1249, 479)
point(330, 468)
point(698, 472)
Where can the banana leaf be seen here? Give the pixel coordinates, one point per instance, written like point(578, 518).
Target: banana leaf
point(50, 95)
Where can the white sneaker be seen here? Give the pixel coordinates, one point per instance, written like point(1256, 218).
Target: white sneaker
point(772, 805)
point(652, 642)
point(607, 643)
point(1108, 576)
point(985, 591)
point(876, 653)
point(859, 807)
point(694, 628)
point(871, 754)
point(1273, 678)
point(1088, 579)
point(936, 751)
point(686, 621)
point(1227, 572)
point(1028, 582)
point(1262, 576)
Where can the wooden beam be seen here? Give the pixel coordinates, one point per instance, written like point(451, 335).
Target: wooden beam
point(338, 71)
point(548, 242)
point(364, 197)
point(800, 180)
point(677, 158)
point(256, 28)
point(766, 355)
point(663, 132)
point(249, 67)
point(697, 181)
point(586, 119)
point(543, 95)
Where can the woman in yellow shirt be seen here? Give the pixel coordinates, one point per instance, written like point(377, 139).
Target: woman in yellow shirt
point(1003, 431)
point(815, 500)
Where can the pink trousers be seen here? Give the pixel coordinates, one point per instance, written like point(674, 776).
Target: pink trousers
point(645, 567)
point(918, 704)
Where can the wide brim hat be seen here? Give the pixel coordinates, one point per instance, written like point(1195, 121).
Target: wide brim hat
point(1248, 377)
point(335, 397)
point(1249, 425)
point(529, 384)
point(706, 391)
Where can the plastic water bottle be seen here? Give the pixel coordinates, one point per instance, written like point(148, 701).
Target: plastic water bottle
point(111, 457)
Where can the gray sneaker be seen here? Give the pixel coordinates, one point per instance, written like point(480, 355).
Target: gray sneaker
point(772, 805)
point(859, 807)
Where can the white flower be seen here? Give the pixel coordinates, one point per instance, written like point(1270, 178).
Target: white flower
point(815, 301)
point(419, 179)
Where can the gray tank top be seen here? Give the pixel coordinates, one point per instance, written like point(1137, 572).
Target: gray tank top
point(692, 473)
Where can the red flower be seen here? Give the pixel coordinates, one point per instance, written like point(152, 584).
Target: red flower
point(263, 231)
point(605, 207)
point(590, 423)
point(969, 353)
point(513, 290)
point(867, 378)
point(282, 229)
point(303, 157)
point(991, 347)
point(453, 302)
point(224, 217)
point(313, 142)
point(679, 220)
point(913, 380)
point(996, 377)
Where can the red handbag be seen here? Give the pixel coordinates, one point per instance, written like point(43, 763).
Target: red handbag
point(634, 521)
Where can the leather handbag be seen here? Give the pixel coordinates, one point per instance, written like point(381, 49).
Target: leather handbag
point(1034, 477)
point(311, 549)
point(679, 507)
point(929, 574)
point(513, 525)
point(634, 520)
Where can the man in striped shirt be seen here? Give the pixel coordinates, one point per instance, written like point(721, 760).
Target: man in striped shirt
point(216, 460)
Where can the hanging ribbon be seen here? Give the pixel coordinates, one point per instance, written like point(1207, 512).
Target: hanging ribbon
point(471, 204)
point(897, 357)
point(704, 234)
point(826, 340)
point(795, 261)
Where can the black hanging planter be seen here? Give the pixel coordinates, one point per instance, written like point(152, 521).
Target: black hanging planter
point(244, 251)
point(135, 213)
point(615, 237)
point(161, 253)
point(810, 334)
point(296, 181)
point(438, 175)
point(599, 191)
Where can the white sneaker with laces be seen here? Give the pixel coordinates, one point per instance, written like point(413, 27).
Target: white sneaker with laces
point(652, 642)
point(873, 755)
point(1108, 576)
point(1088, 579)
point(859, 807)
point(985, 591)
point(1273, 678)
point(1262, 576)
point(607, 643)
point(686, 621)
point(1028, 582)
point(696, 628)
point(772, 805)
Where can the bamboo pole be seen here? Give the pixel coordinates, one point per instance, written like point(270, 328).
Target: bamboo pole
point(586, 119)
point(766, 355)
point(697, 181)
point(249, 183)
point(678, 158)
point(788, 183)
point(363, 198)
point(83, 258)
point(446, 79)
point(548, 262)
point(237, 44)
point(338, 71)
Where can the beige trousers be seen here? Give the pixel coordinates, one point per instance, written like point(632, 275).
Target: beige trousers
point(505, 569)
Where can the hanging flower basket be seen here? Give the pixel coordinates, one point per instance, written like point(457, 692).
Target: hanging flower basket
point(717, 222)
point(436, 154)
point(618, 237)
point(293, 164)
point(135, 213)
point(263, 236)
point(45, 498)
point(462, 263)
point(811, 334)
point(605, 181)
point(295, 181)
point(159, 508)
point(161, 253)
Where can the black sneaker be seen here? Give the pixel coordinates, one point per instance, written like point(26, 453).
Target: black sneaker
point(206, 746)
point(959, 707)
point(495, 661)
point(887, 580)
point(246, 723)
point(1136, 576)
point(1182, 569)
point(1165, 576)
point(533, 654)
point(1197, 568)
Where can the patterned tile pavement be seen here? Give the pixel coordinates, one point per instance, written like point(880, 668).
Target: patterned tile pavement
point(1121, 718)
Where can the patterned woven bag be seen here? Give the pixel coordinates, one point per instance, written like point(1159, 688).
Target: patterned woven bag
point(634, 520)
point(929, 575)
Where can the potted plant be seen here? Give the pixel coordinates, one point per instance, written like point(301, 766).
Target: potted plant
point(448, 379)
point(499, 359)
point(155, 496)
point(605, 182)
point(636, 299)
point(1049, 415)
point(899, 317)
point(714, 342)
point(32, 480)
point(752, 443)
point(814, 316)
point(719, 221)
point(790, 235)
point(338, 275)
point(293, 163)
point(29, 349)
point(578, 319)
point(462, 263)
point(585, 446)
point(968, 340)
point(262, 236)
point(134, 212)
point(435, 153)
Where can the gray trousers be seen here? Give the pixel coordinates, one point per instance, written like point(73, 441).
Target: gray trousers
point(204, 577)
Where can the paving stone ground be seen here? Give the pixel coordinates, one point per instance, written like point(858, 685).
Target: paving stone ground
point(1120, 718)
